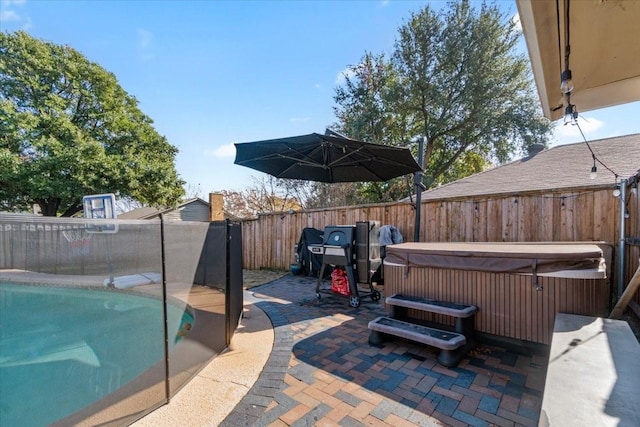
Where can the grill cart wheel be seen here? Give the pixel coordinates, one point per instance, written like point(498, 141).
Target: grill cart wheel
point(354, 301)
point(375, 296)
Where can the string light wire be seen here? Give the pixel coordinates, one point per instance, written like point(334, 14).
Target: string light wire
point(595, 158)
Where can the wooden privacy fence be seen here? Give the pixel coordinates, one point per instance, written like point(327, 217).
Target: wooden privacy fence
point(633, 246)
point(578, 215)
point(268, 242)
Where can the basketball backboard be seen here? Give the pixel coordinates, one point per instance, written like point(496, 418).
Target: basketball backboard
point(100, 206)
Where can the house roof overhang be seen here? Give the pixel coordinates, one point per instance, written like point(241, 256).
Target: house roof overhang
point(604, 51)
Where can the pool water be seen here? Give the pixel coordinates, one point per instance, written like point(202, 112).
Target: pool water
point(62, 349)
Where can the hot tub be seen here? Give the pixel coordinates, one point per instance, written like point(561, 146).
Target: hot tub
point(517, 287)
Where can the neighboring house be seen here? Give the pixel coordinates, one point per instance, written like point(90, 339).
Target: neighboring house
point(561, 168)
point(194, 209)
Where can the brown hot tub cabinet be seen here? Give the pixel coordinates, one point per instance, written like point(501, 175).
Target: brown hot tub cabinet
point(517, 287)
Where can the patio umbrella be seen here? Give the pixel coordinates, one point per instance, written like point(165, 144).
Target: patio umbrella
point(326, 158)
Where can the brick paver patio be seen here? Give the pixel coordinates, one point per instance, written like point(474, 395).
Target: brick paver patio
point(323, 372)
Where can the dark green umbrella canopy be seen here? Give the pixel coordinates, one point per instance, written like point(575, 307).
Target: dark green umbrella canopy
point(326, 158)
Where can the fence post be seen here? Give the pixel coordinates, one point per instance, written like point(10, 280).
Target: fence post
point(621, 238)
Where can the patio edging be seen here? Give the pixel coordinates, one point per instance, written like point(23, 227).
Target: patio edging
point(254, 404)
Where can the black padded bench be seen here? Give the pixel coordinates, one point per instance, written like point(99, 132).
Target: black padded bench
point(453, 345)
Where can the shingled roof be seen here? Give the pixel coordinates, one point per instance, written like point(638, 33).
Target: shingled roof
point(151, 212)
point(145, 212)
point(565, 167)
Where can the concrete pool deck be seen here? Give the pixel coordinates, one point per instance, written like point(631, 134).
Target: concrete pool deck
point(216, 390)
point(308, 362)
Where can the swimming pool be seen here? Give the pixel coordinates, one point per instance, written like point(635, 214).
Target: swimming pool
point(64, 348)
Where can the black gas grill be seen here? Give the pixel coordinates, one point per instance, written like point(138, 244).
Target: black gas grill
point(339, 245)
point(342, 250)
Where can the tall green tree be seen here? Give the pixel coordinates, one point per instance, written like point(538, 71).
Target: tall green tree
point(364, 103)
point(68, 129)
point(454, 78)
point(365, 112)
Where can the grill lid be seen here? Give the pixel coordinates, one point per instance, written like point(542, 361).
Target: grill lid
point(339, 235)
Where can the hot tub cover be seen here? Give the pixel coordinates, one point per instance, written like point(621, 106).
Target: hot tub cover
point(531, 258)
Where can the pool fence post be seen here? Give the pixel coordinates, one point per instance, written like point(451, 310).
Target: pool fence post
point(165, 313)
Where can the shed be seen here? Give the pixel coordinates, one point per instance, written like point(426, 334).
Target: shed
point(194, 209)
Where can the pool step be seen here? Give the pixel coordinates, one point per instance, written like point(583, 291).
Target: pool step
point(454, 345)
point(433, 306)
point(463, 313)
point(450, 343)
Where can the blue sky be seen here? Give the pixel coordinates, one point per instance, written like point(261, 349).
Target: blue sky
point(213, 73)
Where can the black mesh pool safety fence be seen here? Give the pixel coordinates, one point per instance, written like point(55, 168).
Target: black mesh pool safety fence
point(104, 327)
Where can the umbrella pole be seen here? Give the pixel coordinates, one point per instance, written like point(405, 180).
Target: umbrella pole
point(419, 187)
